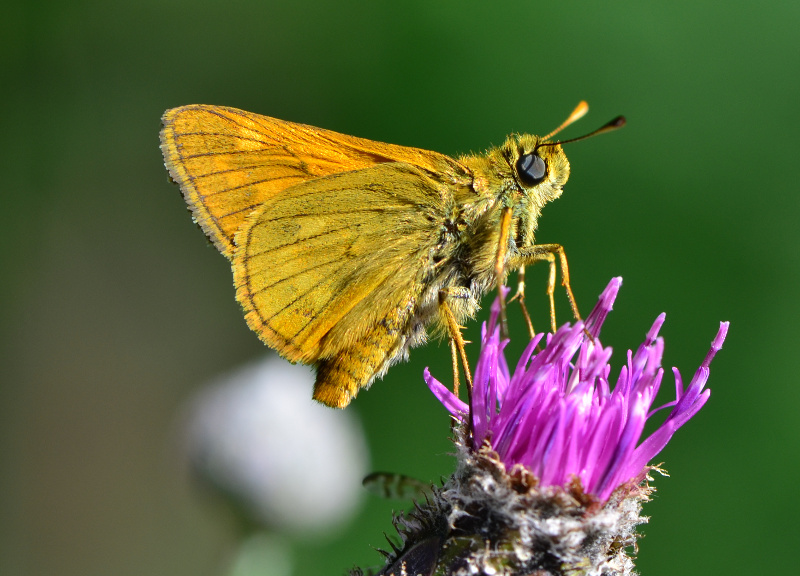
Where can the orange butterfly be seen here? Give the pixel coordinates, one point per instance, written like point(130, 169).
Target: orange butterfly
point(344, 249)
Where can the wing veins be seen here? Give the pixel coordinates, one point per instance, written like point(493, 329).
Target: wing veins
point(237, 136)
point(254, 182)
point(266, 319)
point(267, 130)
point(230, 119)
point(238, 169)
point(326, 212)
point(202, 154)
point(253, 206)
point(219, 218)
point(320, 235)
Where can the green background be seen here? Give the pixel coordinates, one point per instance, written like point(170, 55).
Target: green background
point(115, 309)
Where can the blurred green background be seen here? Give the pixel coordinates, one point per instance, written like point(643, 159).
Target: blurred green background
point(115, 308)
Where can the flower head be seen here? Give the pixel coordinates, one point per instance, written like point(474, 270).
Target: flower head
point(552, 468)
point(557, 414)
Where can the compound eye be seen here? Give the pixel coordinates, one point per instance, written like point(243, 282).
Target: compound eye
point(531, 169)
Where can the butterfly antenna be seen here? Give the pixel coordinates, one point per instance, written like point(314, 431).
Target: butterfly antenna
point(615, 124)
point(580, 111)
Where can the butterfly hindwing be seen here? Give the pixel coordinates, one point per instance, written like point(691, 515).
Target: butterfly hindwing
point(329, 271)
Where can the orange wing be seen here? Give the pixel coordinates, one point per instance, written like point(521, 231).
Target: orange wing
point(307, 258)
point(228, 162)
point(333, 271)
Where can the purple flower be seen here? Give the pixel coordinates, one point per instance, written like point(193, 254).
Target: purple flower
point(558, 416)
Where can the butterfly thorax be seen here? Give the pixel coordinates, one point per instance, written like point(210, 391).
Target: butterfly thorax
point(499, 184)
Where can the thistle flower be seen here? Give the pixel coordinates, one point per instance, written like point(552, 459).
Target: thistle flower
point(551, 471)
point(562, 420)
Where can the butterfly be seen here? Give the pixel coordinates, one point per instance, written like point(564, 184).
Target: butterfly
point(345, 250)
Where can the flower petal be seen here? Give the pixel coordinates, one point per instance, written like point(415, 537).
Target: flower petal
point(557, 413)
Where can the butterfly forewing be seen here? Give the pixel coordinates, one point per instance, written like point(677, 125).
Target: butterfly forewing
point(228, 162)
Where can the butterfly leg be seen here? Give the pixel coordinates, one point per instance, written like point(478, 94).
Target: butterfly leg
point(454, 356)
point(548, 252)
point(520, 295)
point(500, 265)
point(456, 339)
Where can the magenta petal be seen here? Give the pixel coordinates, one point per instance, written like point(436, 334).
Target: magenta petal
point(598, 315)
point(557, 414)
point(454, 405)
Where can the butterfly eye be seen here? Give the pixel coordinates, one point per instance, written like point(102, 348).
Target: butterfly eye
point(531, 169)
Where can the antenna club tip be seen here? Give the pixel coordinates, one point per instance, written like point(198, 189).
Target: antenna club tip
point(618, 122)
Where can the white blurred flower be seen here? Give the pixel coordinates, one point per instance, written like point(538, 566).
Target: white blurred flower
point(289, 463)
